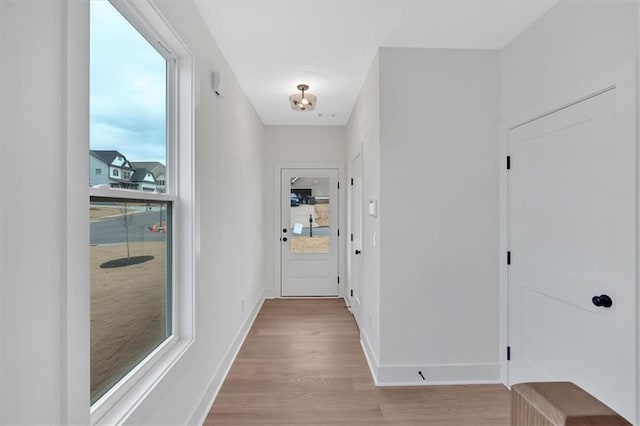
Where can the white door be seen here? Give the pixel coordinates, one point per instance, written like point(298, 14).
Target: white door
point(572, 201)
point(309, 232)
point(355, 243)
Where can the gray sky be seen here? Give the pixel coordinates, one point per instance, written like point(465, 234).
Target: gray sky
point(128, 81)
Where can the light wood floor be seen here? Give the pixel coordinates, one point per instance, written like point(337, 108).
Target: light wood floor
point(302, 364)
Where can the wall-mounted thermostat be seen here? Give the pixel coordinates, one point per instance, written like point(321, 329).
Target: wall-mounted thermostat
point(373, 208)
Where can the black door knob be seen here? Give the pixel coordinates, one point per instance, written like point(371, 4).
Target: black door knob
point(284, 230)
point(358, 252)
point(607, 302)
point(284, 239)
point(602, 301)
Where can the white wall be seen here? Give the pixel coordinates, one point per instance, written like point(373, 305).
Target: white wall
point(439, 215)
point(35, 367)
point(569, 46)
point(363, 133)
point(298, 145)
point(32, 227)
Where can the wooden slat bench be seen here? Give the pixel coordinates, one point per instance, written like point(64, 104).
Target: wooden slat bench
point(559, 404)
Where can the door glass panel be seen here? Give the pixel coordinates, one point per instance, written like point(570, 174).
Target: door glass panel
point(310, 227)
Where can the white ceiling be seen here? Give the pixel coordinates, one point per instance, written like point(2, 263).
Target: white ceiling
point(272, 46)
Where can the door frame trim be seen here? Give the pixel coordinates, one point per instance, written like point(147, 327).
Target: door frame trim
point(350, 227)
point(623, 80)
point(277, 273)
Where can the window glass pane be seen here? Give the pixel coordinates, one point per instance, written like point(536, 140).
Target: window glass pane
point(128, 105)
point(310, 227)
point(130, 239)
point(130, 289)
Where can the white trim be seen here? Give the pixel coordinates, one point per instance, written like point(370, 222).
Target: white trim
point(565, 106)
point(306, 297)
point(270, 294)
point(145, 17)
point(350, 230)
point(637, 136)
point(76, 307)
point(201, 411)
point(503, 247)
point(370, 356)
point(3, 119)
point(131, 194)
point(276, 292)
point(446, 374)
point(623, 77)
point(124, 398)
point(624, 72)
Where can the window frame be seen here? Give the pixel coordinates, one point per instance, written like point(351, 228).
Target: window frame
point(118, 402)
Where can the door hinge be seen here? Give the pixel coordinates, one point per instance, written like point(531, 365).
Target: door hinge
point(508, 353)
point(338, 232)
point(338, 185)
point(338, 280)
point(351, 181)
point(351, 237)
point(351, 292)
point(508, 162)
point(508, 258)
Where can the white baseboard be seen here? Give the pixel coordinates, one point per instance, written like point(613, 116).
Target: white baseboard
point(210, 394)
point(370, 356)
point(271, 294)
point(447, 374)
point(453, 374)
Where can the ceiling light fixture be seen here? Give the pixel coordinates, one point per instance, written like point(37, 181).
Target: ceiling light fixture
point(303, 101)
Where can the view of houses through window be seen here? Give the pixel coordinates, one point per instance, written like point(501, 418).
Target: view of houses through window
point(131, 207)
point(148, 176)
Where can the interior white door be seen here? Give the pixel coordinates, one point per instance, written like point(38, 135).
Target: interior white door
point(309, 232)
point(355, 243)
point(572, 236)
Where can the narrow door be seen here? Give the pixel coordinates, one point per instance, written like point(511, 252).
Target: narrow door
point(572, 296)
point(309, 232)
point(355, 255)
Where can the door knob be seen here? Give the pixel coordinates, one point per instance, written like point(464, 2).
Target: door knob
point(603, 300)
point(284, 239)
point(358, 252)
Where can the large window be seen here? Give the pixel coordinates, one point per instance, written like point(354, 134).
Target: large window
point(131, 222)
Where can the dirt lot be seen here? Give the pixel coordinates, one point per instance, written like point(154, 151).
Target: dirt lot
point(309, 245)
point(301, 244)
point(322, 214)
point(128, 318)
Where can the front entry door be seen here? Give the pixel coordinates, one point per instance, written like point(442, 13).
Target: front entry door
point(572, 296)
point(309, 232)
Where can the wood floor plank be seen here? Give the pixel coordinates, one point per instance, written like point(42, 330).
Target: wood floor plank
point(302, 364)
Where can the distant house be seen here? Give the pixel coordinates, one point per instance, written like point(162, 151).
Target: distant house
point(157, 169)
point(144, 179)
point(110, 168)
